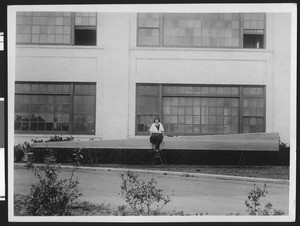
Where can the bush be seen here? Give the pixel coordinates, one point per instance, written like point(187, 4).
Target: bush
point(254, 206)
point(141, 195)
point(53, 196)
point(18, 153)
point(20, 150)
point(64, 156)
point(54, 138)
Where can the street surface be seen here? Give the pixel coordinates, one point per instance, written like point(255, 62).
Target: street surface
point(189, 194)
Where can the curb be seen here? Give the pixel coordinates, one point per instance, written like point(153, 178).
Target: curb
point(182, 174)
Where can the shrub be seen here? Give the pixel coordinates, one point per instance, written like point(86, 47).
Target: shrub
point(283, 146)
point(20, 150)
point(141, 195)
point(56, 138)
point(61, 156)
point(53, 196)
point(254, 203)
point(18, 153)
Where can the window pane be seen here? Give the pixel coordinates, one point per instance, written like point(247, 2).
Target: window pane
point(201, 29)
point(167, 110)
point(227, 90)
point(148, 37)
point(181, 128)
point(83, 107)
point(25, 126)
point(204, 90)
point(84, 36)
point(174, 110)
point(188, 101)
point(196, 110)
point(189, 120)
point(84, 104)
point(220, 90)
point(235, 90)
point(212, 90)
point(166, 90)
point(173, 129)
point(196, 120)
point(147, 89)
point(147, 105)
point(46, 28)
point(181, 110)
point(26, 87)
point(58, 88)
point(260, 91)
point(148, 19)
point(85, 18)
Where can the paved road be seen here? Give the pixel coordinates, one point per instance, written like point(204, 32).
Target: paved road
point(190, 194)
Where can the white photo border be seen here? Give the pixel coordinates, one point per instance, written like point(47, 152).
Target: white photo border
point(280, 8)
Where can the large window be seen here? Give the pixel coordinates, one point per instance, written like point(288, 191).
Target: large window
point(235, 30)
point(201, 109)
point(63, 108)
point(64, 28)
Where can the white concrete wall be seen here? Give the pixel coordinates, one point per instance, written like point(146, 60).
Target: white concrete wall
point(116, 65)
point(114, 88)
point(202, 66)
point(282, 74)
point(106, 64)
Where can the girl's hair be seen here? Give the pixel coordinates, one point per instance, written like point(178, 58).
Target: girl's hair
point(156, 118)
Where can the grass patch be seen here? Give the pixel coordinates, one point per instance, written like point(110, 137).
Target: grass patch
point(271, 172)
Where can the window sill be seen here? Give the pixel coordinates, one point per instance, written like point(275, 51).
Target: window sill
point(45, 46)
point(39, 135)
point(200, 49)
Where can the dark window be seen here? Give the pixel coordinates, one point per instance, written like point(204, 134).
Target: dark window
point(255, 41)
point(198, 110)
point(85, 36)
point(67, 108)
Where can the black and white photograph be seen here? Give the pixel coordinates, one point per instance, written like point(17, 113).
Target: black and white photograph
point(152, 113)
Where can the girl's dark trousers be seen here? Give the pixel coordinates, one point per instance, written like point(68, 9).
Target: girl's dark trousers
point(156, 138)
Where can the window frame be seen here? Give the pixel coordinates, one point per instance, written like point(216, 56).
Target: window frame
point(240, 97)
point(161, 35)
point(160, 31)
point(242, 32)
point(72, 34)
point(71, 95)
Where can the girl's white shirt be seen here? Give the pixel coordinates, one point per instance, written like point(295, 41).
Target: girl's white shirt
point(153, 128)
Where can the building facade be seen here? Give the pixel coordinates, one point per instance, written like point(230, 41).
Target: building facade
point(107, 75)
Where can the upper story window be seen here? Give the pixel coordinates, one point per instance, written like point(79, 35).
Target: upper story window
point(231, 30)
point(62, 28)
point(254, 29)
